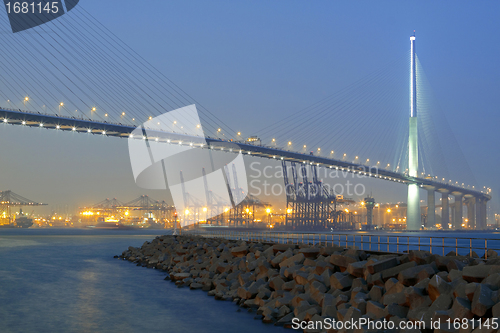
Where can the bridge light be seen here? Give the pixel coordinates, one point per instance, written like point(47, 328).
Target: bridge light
point(204, 209)
point(331, 152)
point(218, 130)
point(274, 140)
point(133, 119)
point(73, 129)
point(5, 120)
point(105, 115)
point(58, 127)
point(239, 133)
point(305, 146)
point(198, 126)
point(103, 132)
point(89, 130)
point(186, 212)
point(41, 125)
point(93, 109)
point(388, 210)
point(24, 123)
point(61, 104)
point(268, 210)
point(289, 143)
point(319, 149)
point(123, 113)
point(156, 139)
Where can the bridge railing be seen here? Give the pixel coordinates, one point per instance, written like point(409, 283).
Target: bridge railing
point(391, 243)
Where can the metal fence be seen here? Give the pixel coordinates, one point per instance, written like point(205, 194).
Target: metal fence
point(369, 242)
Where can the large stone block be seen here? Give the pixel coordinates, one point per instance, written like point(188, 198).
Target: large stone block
point(376, 293)
point(375, 309)
point(239, 251)
point(412, 275)
point(394, 271)
point(276, 283)
point(479, 272)
point(438, 286)
point(356, 268)
point(379, 266)
point(341, 281)
point(482, 301)
point(342, 260)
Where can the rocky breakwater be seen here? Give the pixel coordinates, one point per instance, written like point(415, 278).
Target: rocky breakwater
point(281, 282)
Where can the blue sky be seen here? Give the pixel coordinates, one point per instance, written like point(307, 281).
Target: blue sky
point(253, 62)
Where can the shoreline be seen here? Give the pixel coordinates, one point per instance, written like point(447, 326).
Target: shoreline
point(286, 284)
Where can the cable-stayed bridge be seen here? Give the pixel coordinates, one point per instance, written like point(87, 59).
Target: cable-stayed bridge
point(57, 71)
point(476, 199)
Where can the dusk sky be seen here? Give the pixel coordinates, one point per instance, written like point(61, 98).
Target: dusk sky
point(253, 63)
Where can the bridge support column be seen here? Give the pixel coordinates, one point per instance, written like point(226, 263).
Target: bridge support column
point(445, 210)
point(457, 222)
point(413, 216)
point(480, 216)
point(431, 208)
point(471, 213)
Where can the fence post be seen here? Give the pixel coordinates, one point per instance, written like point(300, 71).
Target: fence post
point(485, 249)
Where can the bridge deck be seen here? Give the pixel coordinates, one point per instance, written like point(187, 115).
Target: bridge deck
point(24, 118)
